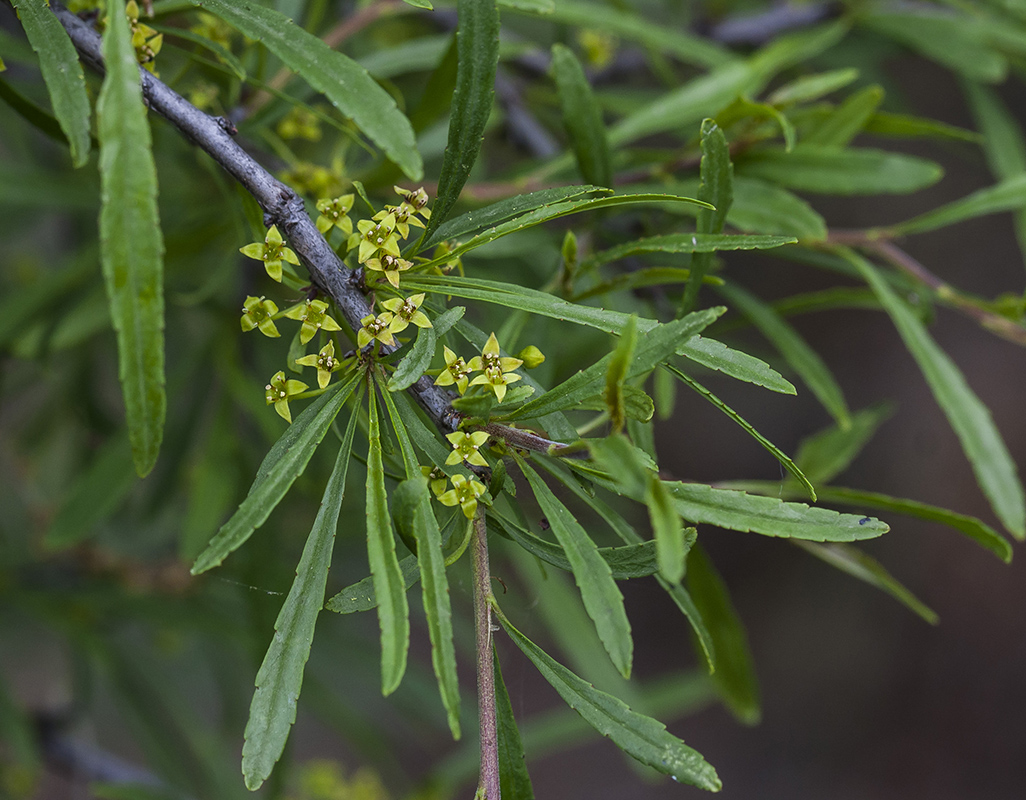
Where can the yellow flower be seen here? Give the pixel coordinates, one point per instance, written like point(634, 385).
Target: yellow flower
point(257, 312)
point(456, 371)
point(497, 369)
point(375, 328)
point(315, 318)
point(272, 252)
point(465, 447)
point(374, 237)
point(389, 264)
point(279, 391)
point(334, 214)
point(325, 362)
point(464, 493)
point(407, 312)
point(436, 479)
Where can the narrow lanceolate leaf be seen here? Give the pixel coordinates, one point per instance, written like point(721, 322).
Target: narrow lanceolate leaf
point(686, 243)
point(846, 121)
point(582, 118)
point(411, 503)
point(671, 545)
point(969, 418)
point(360, 596)
point(813, 87)
point(830, 170)
point(409, 370)
point(716, 188)
point(616, 374)
point(346, 84)
point(715, 355)
point(860, 565)
point(393, 611)
point(735, 672)
point(796, 352)
point(280, 677)
point(62, 72)
point(655, 345)
point(489, 216)
point(477, 53)
point(1008, 195)
point(283, 464)
point(775, 451)
point(601, 596)
point(514, 782)
point(641, 737)
point(828, 453)
point(131, 245)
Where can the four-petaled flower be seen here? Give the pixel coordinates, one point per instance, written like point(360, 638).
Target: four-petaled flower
point(465, 447)
point(257, 312)
point(374, 237)
point(375, 328)
point(436, 479)
point(279, 391)
point(272, 251)
point(389, 264)
point(315, 318)
point(456, 371)
point(406, 312)
point(496, 369)
point(464, 493)
point(415, 202)
point(325, 362)
point(334, 214)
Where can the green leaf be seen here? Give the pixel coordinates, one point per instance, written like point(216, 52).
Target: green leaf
point(672, 545)
point(636, 404)
point(906, 126)
point(735, 672)
point(619, 363)
point(490, 216)
point(410, 462)
point(601, 596)
point(685, 243)
point(62, 73)
point(360, 596)
point(280, 678)
point(835, 171)
point(860, 565)
point(639, 736)
point(131, 244)
point(630, 561)
point(555, 211)
point(226, 56)
point(655, 345)
point(389, 587)
point(828, 453)
point(514, 782)
point(715, 355)
point(979, 532)
point(1008, 195)
point(628, 281)
point(283, 464)
point(969, 418)
point(98, 492)
point(847, 120)
point(582, 118)
point(812, 87)
point(413, 498)
point(346, 84)
point(477, 49)
point(795, 351)
point(775, 451)
point(668, 39)
point(947, 38)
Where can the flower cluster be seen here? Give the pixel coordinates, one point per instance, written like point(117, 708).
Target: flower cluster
point(376, 240)
point(496, 370)
point(146, 41)
point(401, 313)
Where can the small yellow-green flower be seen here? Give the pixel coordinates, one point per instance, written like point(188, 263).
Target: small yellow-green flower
point(325, 362)
point(465, 447)
point(407, 312)
point(300, 123)
point(279, 391)
point(375, 237)
point(389, 264)
point(415, 202)
point(272, 252)
point(314, 180)
point(497, 369)
point(257, 312)
point(210, 27)
point(375, 328)
point(453, 263)
point(531, 356)
point(334, 214)
point(146, 41)
point(436, 479)
point(463, 493)
point(315, 317)
point(456, 371)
